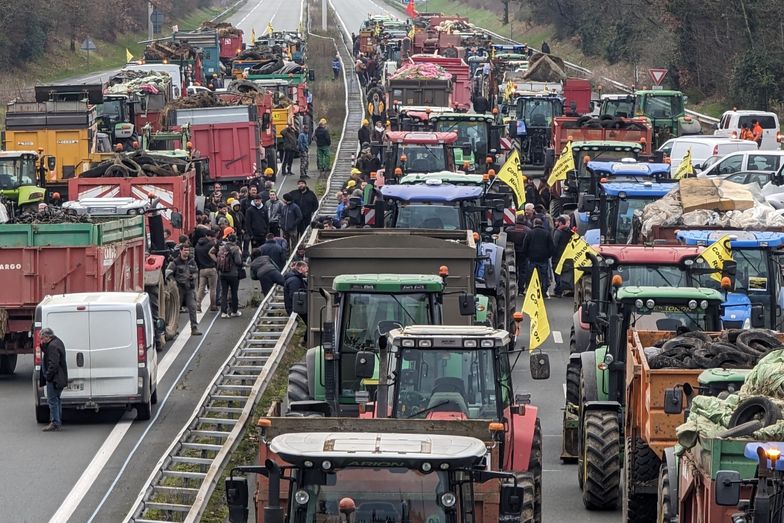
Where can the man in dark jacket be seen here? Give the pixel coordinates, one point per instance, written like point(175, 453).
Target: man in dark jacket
point(263, 270)
point(229, 274)
point(54, 374)
point(323, 142)
point(289, 136)
point(290, 219)
point(307, 202)
point(275, 252)
point(296, 280)
point(208, 274)
point(256, 222)
point(363, 135)
point(184, 271)
point(538, 245)
point(561, 237)
point(517, 234)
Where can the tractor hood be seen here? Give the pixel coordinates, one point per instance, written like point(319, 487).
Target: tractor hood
point(737, 308)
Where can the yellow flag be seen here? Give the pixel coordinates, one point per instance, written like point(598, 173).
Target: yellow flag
point(577, 250)
point(685, 169)
point(533, 306)
point(270, 30)
point(716, 254)
point(511, 174)
point(128, 55)
point(411, 33)
point(563, 165)
point(252, 36)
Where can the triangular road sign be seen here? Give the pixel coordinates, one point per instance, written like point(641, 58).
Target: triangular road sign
point(657, 75)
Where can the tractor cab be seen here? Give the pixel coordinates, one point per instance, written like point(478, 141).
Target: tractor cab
point(22, 179)
point(608, 217)
point(623, 170)
point(757, 296)
point(478, 138)
point(433, 205)
point(667, 114)
point(534, 118)
point(419, 152)
point(617, 105)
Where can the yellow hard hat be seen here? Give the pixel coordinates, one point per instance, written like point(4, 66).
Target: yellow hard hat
point(230, 201)
point(355, 171)
point(365, 122)
point(268, 171)
point(323, 121)
point(351, 183)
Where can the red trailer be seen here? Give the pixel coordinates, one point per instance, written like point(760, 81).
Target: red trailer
point(230, 46)
point(45, 259)
point(461, 78)
point(232, 148)
point(174, 193)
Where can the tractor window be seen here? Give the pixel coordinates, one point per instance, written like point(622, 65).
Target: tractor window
point(619, 108)
point(363, 313)
point(380, 494)
point(663, 106)
point(455, 381)
point(652, 275)
point(423, 158)
point(537, 112)
point(428, 216)
point(751, 272)
point(471, 134)
point(16, 173)
point(668, 317)
point(622, 212)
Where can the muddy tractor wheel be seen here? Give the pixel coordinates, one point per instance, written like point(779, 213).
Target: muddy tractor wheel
point(535, 469)
point(572, 382)
point(297, 389)
point(663, 514)
point(641, 468)
point(170, 303)
point(528, 513)
point(556, 207)
point(600, 460)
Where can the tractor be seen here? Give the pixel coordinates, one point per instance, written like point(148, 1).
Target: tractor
point(666, 112)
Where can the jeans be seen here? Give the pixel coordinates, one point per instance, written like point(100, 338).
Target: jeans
point(288, 159)
point(55, 405)
point(229, 283)
point(189, 298)
point(292, 237)
point(544, 274)
point(208, 278)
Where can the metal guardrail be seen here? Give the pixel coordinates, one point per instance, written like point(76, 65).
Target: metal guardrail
point(185, 477)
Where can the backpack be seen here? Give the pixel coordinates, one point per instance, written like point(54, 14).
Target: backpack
point(224, 262)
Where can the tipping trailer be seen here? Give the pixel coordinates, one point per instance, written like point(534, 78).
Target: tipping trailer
point(42, 259)
point(328, 469)
point(461, 81)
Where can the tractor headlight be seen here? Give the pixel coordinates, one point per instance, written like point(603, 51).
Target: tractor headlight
point(747, 323)
point(692, 304)
point(448, 499)
point(704, 304)
point(650, 303)
point(302, 497)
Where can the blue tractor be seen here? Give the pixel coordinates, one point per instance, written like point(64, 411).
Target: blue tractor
point(757, 299)
point(445, 206)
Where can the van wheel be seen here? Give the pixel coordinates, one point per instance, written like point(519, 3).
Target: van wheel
point(144, 410)
point(7, 364)
point(42, 414)
point(154, 397)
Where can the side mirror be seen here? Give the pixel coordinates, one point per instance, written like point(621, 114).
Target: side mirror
point(51, 162)
point(467, 304)
point(540, 365)
point(365, 364)
point(586, 203)
point(160, 325)
point(384, 326)
point(311, 75)
point(237, 498)
point(673, 401)
point(176, 220)
point(299, 303)
point(511, 500)
point(727, 488)
point(758, 316)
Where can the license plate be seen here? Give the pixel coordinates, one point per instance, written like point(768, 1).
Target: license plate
point(75, 386)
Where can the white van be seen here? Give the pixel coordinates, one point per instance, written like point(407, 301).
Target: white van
point(702, 148)
point(109, 340)
point(732, 121)
point(173, 70)
point(744, 161)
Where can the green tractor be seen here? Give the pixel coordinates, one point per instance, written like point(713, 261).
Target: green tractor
point(667, 114)
point(596, 379)
point(22, 180)
point(326, 383)
point(478, 139)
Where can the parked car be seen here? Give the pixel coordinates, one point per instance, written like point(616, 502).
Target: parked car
point(732, 121)
point(109, 340)
point(743, 161)
point(702, 148)
point(761, 178)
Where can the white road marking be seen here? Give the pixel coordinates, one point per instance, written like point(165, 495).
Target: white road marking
point(90, 474)
point(557, 338)
point(564, 387)
point(249, 13)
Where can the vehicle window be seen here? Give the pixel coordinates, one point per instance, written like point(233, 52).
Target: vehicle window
point(763, 162)
point(666, 148)
point(725, 122)
point(766, 121)
point(737, 178)
point(729, 165)
point(428, 216)
point(114, 329)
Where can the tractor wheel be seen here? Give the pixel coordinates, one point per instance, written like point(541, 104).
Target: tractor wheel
point(491, 314)
point(641, 467)
point(528, 513)
point(601, 461)
point(298, 383)
point(8, 364)
point(663, 502)
point(572, 383)
point(535, 469)
point(556, 207)
point(170, 302)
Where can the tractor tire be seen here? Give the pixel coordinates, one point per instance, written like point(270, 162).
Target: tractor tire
point(491, 314)
point(663, 514)
point(297, 389)
point(573, 345)
point(641, 466)
point(170, 303)
point(7, 364)
point(556, 207)
point(572, 383)
point(755, 408)
point(535, 469)
point(528, 513)
point(601, 460)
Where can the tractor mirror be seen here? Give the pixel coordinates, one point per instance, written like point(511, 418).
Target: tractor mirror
point(727, 488)
point(176, 220)
point(365, 364)
point(589, 312)
point(587, 203)
point(540, 365)
point(673, 401)
point(51, 162)
point(160, 325)
point(299, 303)
point(511, 500)
point(467, 304)
point(384, 326)
point(758, 316)
point(237, 498)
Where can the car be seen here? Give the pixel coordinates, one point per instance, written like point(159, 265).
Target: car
point(107, 206)
point(702, 148)
point(761, 178)
point(109, 340)
point(732, 121)
point(743, 161)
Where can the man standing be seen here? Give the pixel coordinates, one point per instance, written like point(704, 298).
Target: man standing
point(323, 142)
point(303, 145)
point(229, 262)
point(561, 237)
point(184, 271)
point(363, 135)
point(756, 131)
point(256, 222)
point(335, 67)
point(273, 207)
point(208, 274)
point(296, 280)
point(517, 235)
point(538, 245)
point(307, 202)
point(290, 218)
point(54, 374)
point(289, 148)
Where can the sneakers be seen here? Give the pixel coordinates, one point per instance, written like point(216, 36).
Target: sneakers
point(224, 315)
point(236, 314)
point(195, 332)
point(51, 428)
